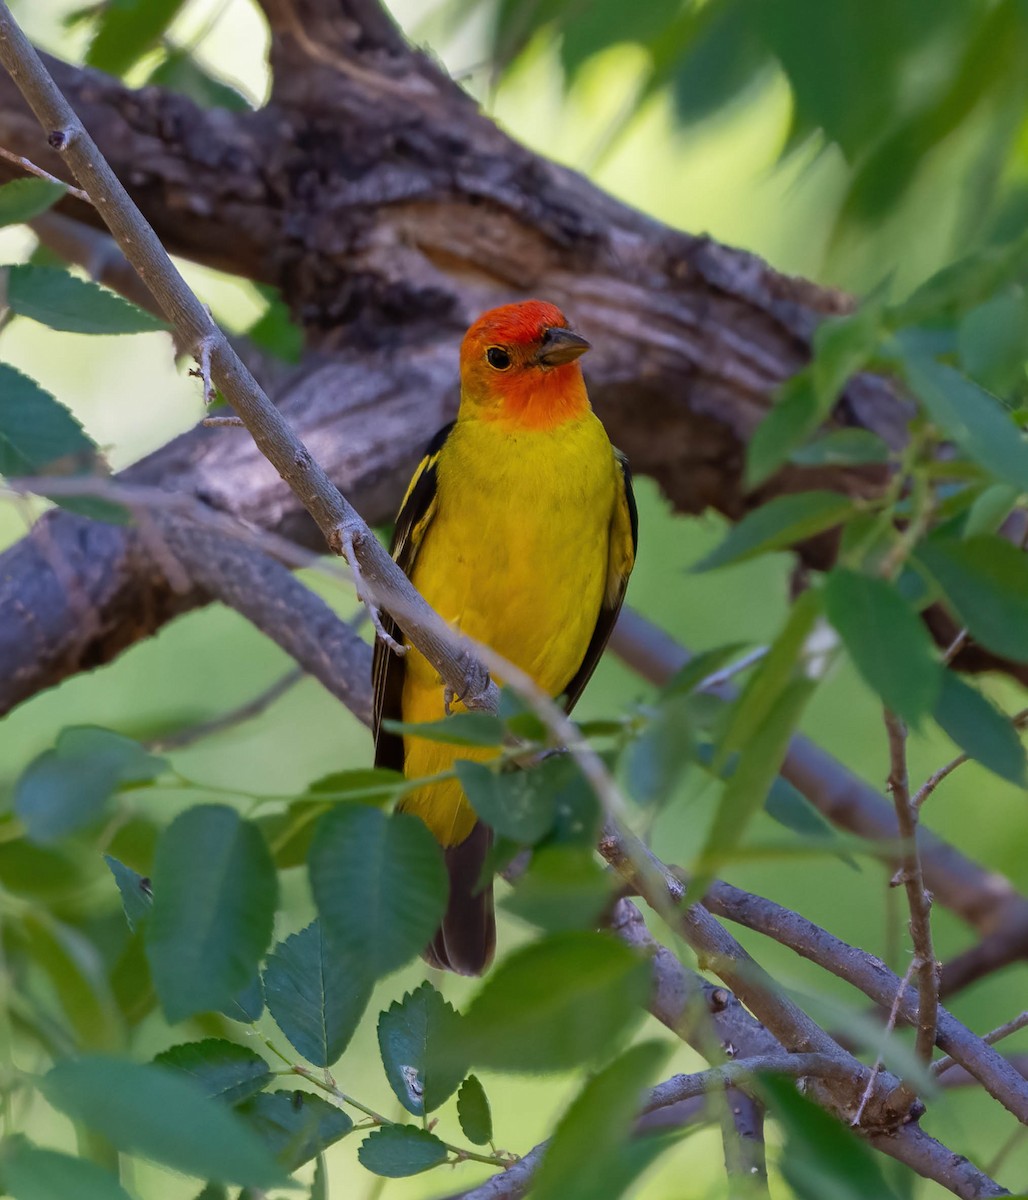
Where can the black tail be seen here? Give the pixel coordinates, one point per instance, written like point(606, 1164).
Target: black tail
point(466, 939)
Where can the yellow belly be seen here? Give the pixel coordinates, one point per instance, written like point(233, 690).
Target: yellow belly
point(516, 556)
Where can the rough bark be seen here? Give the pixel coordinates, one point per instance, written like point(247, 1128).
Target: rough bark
point(389, 212)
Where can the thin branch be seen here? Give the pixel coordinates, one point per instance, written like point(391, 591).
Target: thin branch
point(260, 703)
point(996, 1035)
point(918, 899)
point(1019, 721)
point(31, 168)
point(890, 1025)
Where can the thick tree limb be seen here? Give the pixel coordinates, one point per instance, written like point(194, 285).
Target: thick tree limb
point(387, 224)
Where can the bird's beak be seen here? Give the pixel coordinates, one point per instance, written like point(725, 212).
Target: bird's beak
point(559, 346)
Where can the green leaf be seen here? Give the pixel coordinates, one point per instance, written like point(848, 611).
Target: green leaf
point(379, 883)
point(842, 346)
point(460, 729)
point(980, 730)
point(275, 331)
point(842, 448)
point(148, 1110)
point(136, 896)
point(127, 30)
point(990, 509)
point(778, 524)
point(319, 1184)
point(972, 418)
point(409, 1033)
point(822, 1159)
point(215, 893)
point(993, 341)
point(517, 804)
point(369, 785)
point(36, 431)
point(67, 788)
point(398, 1150)
point(247, 1005)
point(317, 994)
point(790, 422)
point(60, 300)
point(653, 761)
point(555, 1004)
point(887, 641)
point(700, 667)
point(32, 1173)
point(23, 199)
point(563, 888)
point(180, 72)
point(985, 580)
point(223, 1070)
point(295, 1126)
point(584, 1158)
point(476, 1121)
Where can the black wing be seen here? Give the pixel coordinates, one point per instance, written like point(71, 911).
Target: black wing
point(388, 669)
point(624, 540)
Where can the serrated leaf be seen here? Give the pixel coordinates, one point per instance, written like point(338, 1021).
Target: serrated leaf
point(126, 30)
point(317, 994)
point(460, 729)
point(555, 1004)
point(295, 1126)
point(36, 430)
point(396, 1151)
point(409, 1032)
point(980, 730)
point(33, 1173)
point(974, 419)
point(778, 524)
point(517, 804)
point(58, 299)
point(147, 1110)
point(476, 1121)
point(985, 580)
point(23, 199)
point(223, 1070)
point(379, 884)
point(886, 640)
point(601, 1117)
point(67, 788)
point(563, 888)
point(213, 909)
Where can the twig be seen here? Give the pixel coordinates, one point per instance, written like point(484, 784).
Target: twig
point(29, 166)
point(716, 681)
point(223, 423)
point(990, 1039)
point(236, 716)
point(890, 1025)
point(918, 900)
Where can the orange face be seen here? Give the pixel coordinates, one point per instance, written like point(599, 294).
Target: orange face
point(519, 364)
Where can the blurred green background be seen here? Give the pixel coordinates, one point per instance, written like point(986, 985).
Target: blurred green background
point(883, 150)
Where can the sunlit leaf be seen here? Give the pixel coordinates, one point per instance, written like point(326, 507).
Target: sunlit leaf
point(56, 298)
point(126, 30)
point(23, 199)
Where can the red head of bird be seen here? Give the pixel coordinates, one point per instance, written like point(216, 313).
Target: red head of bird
point(519, 364)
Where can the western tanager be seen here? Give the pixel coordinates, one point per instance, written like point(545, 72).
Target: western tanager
point(519, 527)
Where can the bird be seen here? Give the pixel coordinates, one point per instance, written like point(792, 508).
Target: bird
point(519, 528)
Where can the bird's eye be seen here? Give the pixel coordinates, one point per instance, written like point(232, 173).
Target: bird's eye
point(498, 358)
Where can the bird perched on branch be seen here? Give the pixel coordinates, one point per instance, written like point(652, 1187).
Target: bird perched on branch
point(519, 527)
